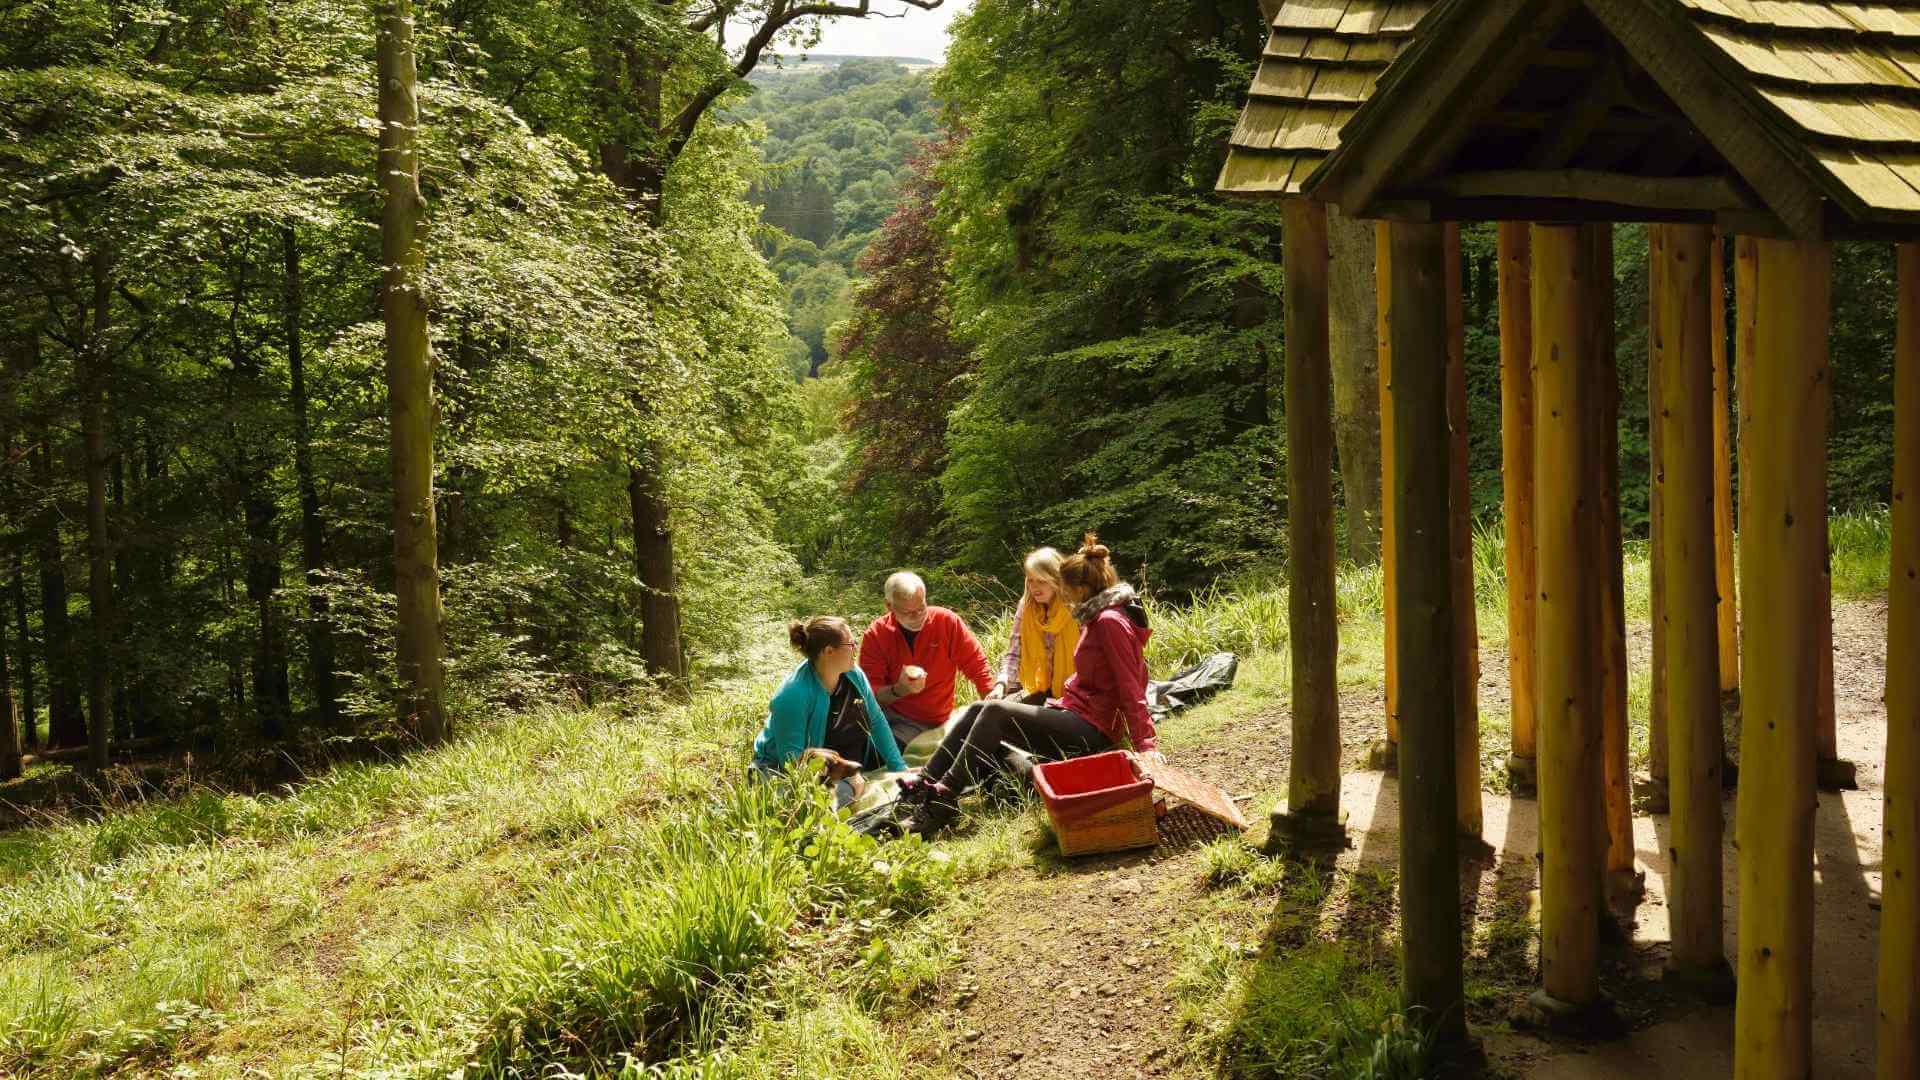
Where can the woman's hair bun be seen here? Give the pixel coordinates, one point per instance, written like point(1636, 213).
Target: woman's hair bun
point(797, 633)
point(1092, 548)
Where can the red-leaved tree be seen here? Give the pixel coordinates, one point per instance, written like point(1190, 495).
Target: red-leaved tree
point(905, 364)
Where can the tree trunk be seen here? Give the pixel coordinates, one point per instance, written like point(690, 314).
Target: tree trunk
point(9, 415)
point(653, 559)
point(319, 632)
point(644, 178)
point(93, 426)
point(1353, 334)
point(420, 647)
point(123, 588)
point(66, 724)
point(272, 700)
point(29, 703)
point(10, 764)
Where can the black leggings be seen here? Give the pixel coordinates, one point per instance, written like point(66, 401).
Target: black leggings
point(971, 751)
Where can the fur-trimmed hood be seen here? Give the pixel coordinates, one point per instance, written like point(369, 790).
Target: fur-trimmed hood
point(1121, 596)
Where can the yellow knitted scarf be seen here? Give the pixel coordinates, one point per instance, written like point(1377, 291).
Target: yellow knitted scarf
point(1039, 672)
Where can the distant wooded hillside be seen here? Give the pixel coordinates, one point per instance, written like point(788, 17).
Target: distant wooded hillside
point(838, 145)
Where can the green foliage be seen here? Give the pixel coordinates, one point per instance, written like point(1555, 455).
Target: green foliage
point(1123, 323)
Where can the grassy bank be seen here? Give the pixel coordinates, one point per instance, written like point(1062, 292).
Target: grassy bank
point(595, 888)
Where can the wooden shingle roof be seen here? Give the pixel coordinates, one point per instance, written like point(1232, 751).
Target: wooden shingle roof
point(1799, 117)
point(1843, 78)
point(1321, 62)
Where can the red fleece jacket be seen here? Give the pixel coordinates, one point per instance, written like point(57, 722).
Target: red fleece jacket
point(944, 646)
point(1109, 684)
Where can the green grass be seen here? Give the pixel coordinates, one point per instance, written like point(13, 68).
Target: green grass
point(569, 887)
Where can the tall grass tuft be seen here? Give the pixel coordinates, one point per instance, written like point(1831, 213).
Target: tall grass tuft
point(659, 954)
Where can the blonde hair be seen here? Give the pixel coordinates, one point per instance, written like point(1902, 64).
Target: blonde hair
point(1044, 563)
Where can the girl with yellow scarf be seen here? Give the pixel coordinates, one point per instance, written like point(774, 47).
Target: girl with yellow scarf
point(1040, 652)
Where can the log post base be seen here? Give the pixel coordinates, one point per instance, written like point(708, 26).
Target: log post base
point(1597, 1019)
point(1712, 984)
point(1523, 776)
point(1474, 848)
point(1624, 891)
point(1651, 795)
point(1383, 756)
point(1307, 832)
point(1837, 774)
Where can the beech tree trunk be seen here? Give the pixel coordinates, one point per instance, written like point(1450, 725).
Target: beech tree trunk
point(10, 717)
point(272, 698)
point(93, 427)
point(1353, 334)
point(319, 631)
point(29, 703)
point(416, 577)
point(10, 764)
point(66, 724)
point(643, 176)
point(653, 559)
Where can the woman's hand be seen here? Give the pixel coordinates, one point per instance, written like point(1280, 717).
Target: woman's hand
point(1153, 757)
point(999, 691)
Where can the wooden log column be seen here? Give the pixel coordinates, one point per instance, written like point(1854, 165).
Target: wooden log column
point(1831, 771)
point(1624, 884)
point(1429, 849)
point(1899, 989)
point(1785, 294)
point(1310, 818)
point(1566, 297)
point(1657, 770)
point(1685, 550)
point(1516, 468)
point(1723, 478)
point(1466, 629)
point(1384, 754)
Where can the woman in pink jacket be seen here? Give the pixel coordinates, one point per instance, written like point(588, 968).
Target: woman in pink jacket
point(1103, 704)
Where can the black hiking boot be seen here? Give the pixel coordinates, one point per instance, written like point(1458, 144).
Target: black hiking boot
point(935, 812)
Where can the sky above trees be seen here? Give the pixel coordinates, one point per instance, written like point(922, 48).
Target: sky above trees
point(917, 33)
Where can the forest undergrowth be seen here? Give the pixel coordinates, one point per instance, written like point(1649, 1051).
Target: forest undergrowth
point(596, 889)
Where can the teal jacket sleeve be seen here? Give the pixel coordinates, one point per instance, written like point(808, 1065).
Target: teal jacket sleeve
point(785, 738)
point(879, 732)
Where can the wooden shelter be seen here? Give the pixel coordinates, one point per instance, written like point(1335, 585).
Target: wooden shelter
point(1779, 125)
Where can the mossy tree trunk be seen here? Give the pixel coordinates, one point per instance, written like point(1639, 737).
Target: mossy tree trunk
point(420, 649)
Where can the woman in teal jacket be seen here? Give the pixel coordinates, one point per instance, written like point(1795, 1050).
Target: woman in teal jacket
point(826, 708)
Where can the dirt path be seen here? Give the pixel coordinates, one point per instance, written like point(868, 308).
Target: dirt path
point(1067, 973)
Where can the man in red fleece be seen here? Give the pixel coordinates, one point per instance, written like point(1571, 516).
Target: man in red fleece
point(913, 654)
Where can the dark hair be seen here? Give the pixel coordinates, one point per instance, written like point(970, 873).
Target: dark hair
point(811, 637)
point(1089, 571)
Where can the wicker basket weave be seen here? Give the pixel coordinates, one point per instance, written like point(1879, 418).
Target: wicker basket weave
point(1098, 803)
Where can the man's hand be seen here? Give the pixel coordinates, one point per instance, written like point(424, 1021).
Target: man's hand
point(999, 691)
point(912, 681)
point(1152, 757)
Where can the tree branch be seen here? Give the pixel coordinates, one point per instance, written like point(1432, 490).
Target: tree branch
point(780, 15)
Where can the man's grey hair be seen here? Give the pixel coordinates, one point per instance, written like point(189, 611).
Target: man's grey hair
point(903, 585)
